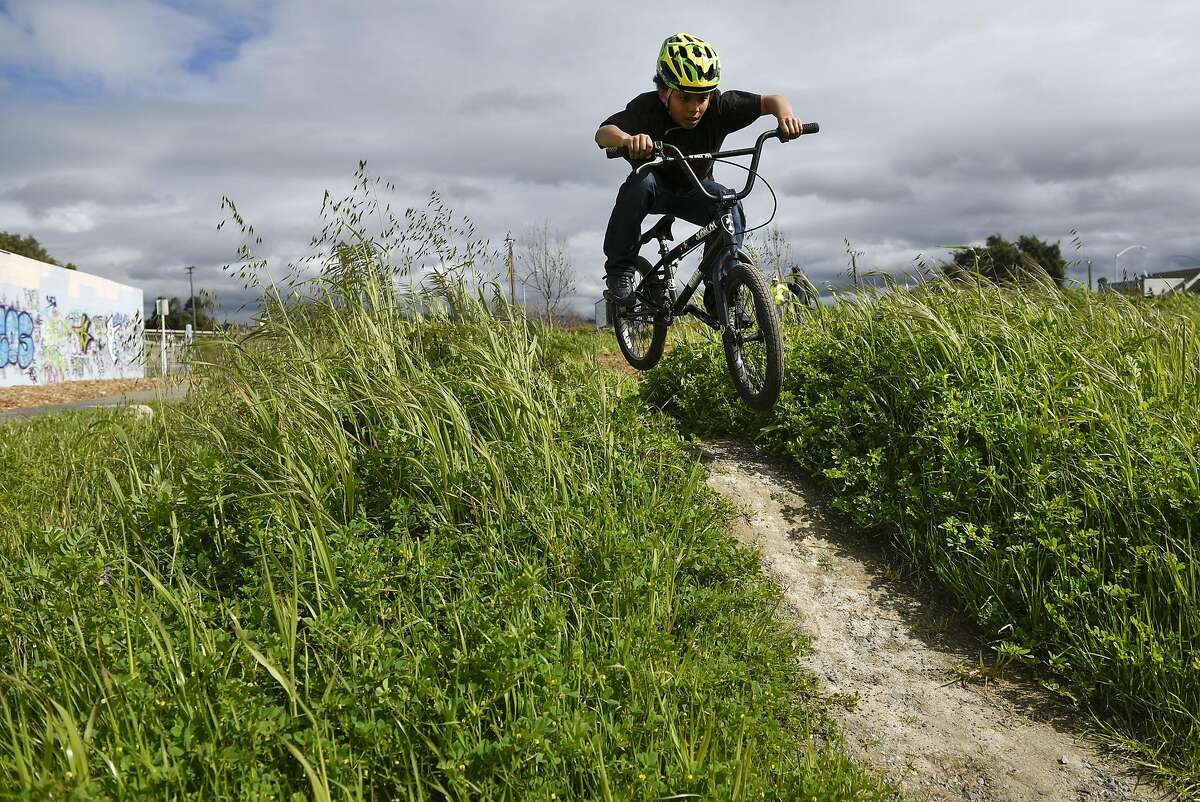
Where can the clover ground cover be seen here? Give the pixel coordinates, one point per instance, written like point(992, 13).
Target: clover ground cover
point(1036, 452)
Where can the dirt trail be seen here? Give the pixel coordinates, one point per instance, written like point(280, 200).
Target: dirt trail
point(904, 658)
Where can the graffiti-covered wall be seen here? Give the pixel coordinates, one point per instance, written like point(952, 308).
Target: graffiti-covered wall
point(63, 325)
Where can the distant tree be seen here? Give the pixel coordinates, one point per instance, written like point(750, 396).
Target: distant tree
point(1048, 257)
point(547, 269)
point(572, 319)
point(774, 257)
point(175, 318)
point(206, 310)
point(179, 316)
point(28, 246)
point(1003, 261)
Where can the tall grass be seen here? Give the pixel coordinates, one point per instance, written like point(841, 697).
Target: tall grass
point(1036, 451)
point(379, 555)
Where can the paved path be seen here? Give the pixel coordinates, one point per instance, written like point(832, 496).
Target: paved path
point(170, 394)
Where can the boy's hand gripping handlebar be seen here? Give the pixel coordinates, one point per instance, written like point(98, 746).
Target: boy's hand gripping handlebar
point(618, 153)
point(662, 155)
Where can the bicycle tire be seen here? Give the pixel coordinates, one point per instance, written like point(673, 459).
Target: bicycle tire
point(641, 334)
point(755, 362)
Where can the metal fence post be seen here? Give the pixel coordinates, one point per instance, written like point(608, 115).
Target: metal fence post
point(163, 305)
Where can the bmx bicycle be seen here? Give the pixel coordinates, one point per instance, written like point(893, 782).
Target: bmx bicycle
point(745, 311)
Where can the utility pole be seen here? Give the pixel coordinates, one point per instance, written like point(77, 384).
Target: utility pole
point(512, 279)
point(853, 260)
point(1089, 275)
point(192, 295)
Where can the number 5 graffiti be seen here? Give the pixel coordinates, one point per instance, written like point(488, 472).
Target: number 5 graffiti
point(16, 338)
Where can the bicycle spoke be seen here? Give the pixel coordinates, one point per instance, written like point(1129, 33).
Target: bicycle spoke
point(639, 331)
point(751, 351)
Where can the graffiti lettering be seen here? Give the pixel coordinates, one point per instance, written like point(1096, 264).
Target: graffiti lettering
point(84, 332)
point(16, 338)
point(48, 346)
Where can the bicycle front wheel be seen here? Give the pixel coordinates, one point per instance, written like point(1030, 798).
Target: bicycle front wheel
point(752, 340)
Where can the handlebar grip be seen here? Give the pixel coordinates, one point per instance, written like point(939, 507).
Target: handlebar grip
point(810, 128)
point(616, 153)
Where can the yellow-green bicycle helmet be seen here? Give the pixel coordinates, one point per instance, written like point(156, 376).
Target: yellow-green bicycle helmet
point(687, 63)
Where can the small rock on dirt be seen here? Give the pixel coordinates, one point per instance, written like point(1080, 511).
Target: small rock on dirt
point(139, 412)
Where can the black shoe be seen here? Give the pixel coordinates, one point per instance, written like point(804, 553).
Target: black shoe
point(620, 289)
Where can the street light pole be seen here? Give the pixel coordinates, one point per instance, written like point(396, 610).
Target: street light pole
point(1119, 254)
point(192, 295)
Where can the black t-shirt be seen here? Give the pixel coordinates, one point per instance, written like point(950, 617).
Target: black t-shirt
point(727, 112)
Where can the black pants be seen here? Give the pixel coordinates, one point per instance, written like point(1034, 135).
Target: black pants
point(645, 193)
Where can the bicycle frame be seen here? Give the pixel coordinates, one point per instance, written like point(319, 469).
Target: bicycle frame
point(719, 234)
point(723, 247)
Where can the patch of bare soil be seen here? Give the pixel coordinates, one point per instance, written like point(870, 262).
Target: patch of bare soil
point(613, 360)
point(41, 395)
point(921, 716)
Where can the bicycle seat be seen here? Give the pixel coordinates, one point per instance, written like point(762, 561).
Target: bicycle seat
point(660, 229)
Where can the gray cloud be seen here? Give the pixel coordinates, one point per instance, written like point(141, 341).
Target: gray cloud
point(45, 193)
point(509, 101)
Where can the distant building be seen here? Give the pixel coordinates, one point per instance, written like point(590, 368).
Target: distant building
point(603, 314)
point(1151, 285)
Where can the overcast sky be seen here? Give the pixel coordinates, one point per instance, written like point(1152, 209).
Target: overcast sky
point(123, 122)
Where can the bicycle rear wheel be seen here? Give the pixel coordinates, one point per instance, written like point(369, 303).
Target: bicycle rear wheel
point(641, 331)
point(752, 340)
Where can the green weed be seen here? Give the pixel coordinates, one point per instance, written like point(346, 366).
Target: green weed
point(1035, 451)
point(385, 555)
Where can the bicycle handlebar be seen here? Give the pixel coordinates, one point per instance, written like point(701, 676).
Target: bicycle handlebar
point(617, 153)
point(662, 157)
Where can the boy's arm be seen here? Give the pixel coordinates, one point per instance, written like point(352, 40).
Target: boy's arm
point(640, 146)
point(789, 124)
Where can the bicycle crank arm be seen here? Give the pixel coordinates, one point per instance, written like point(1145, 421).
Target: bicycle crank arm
point(702, 316)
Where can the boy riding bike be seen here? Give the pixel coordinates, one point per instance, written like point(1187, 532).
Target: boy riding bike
point(687, 111)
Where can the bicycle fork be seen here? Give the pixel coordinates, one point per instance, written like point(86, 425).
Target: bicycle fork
point(725, 253)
